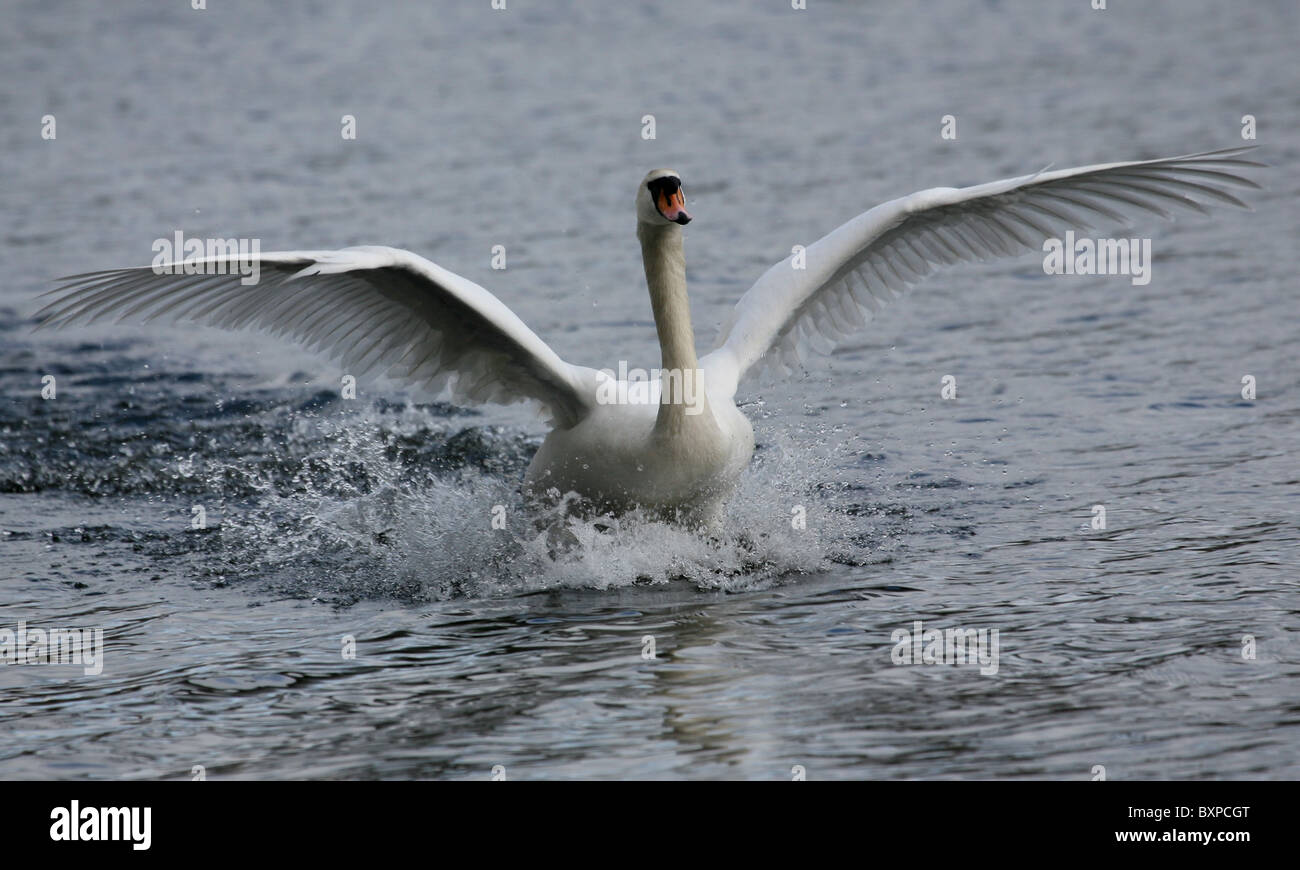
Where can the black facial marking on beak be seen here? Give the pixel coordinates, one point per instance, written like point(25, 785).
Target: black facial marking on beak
point(683, 218)
point(667, 185)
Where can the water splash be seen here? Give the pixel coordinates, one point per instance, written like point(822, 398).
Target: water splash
point(365, 515)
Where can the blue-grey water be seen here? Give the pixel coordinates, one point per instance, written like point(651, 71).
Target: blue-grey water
point(1162, 646)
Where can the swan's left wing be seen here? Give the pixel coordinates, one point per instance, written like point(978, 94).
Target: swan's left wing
point(849, 274)
point(372, 308)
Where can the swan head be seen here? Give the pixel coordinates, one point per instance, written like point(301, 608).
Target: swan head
point(660, 199)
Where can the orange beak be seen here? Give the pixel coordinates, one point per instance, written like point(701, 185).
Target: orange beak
point(673, 207)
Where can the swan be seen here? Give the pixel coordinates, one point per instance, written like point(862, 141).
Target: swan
point(676, 444)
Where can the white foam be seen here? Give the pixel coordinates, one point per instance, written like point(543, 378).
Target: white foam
point(436, 539)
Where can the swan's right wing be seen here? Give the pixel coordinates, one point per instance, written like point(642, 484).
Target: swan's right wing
point(371, 308)
point(848, 274)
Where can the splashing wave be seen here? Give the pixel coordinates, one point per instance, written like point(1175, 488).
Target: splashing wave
point(362, 520)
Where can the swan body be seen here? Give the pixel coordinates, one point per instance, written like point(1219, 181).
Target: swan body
point(620, 459)
point(658, 444)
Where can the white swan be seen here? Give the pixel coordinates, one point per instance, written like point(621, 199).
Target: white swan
point(677, 451)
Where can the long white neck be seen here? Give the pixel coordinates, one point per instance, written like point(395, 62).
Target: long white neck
point(665, 273)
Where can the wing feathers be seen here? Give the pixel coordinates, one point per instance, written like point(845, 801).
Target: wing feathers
point(371, 308)
point(864, 263)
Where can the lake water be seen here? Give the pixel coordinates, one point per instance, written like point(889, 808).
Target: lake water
point(1124, 647)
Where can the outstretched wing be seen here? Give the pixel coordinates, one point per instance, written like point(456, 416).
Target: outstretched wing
point(850, 273)
point(372, 308)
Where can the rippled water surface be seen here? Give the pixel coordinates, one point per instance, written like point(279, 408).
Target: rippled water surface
point(370, 518)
